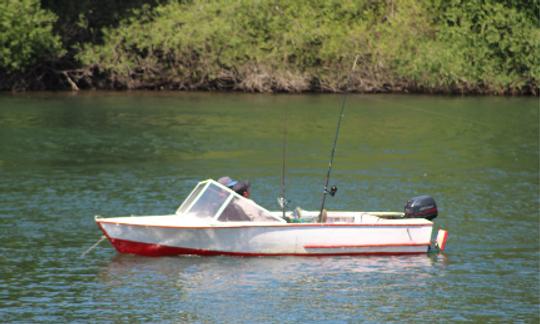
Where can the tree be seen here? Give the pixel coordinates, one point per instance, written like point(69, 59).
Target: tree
point(26, 35)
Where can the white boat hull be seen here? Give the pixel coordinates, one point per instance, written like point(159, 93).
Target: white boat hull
point(155, 236)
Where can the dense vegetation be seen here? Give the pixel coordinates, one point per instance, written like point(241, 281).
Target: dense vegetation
point(443, 46)
point(26, 39)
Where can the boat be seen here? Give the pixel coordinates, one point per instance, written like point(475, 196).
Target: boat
point(215, 220)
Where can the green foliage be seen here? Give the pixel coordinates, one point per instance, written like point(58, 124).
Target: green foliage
point(278, 45)
point(26, 35)
point(488, 46)
point(81, 21)
point(493, 45)
point(258, 45)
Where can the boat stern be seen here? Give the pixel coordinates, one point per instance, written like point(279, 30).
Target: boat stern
point(442, 236)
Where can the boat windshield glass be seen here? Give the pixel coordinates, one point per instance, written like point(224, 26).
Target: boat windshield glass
point(241, 209)
point(212, 200)
point(209, 202)
point(191, 198)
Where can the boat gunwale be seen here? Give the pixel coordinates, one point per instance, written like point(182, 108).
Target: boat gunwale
point(260, 225)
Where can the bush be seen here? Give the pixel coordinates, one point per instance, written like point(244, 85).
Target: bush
point(434, 46)
point(26, 36)
point(493, 45)
point(248, 45)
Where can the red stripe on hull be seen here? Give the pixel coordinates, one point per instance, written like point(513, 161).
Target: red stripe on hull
point(156, 250)
point(363, 246)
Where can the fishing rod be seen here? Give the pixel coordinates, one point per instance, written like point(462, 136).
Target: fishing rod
point(282, 201)
point(333, 190)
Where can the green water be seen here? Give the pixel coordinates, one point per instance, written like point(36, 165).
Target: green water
point(65, 158)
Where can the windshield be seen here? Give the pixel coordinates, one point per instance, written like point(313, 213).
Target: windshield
point(187, 203)
point(211, 200)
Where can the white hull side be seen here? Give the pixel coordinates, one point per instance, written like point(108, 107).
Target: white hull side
point(286, 239)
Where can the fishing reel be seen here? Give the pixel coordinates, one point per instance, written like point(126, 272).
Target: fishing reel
point(332, 191)
point(282, 202)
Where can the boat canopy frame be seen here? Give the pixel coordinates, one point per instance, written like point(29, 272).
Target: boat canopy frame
point(213, 201)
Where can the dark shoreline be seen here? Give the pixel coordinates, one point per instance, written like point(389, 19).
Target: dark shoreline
point(85, 92)
point(86, 80)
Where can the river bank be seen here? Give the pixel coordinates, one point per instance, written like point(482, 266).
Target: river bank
point(261, 82)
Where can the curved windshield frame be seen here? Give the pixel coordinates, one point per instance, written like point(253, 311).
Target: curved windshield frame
point(211, 200)
point(191, 198)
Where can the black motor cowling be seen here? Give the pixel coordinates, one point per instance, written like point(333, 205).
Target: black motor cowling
point(421, 207)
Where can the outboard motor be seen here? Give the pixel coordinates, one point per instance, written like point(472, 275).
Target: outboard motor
point(421, 207)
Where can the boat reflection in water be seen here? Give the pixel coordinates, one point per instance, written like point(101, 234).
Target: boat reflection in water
point(197, 272)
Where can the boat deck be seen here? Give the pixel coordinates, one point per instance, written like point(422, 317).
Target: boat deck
point(308, 219)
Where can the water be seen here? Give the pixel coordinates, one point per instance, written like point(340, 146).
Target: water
point(65, 158)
